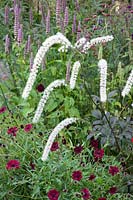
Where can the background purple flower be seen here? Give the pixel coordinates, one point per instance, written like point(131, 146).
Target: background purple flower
point(58, 6)
point(66, 17)
point(7, 44)
point(74, 24)
point(6, 18)
point(48, 22)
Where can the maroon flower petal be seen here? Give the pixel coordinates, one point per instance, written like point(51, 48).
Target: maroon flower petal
point(92, 177)
point(78, 149)
point(94, 143)
point(3, 109)
point(53, 194)
point(13, 164)
point(40, 88)
point(28, 127)
point(77, 175)
point(54, 146)
point(12, 131)
point(98, 154)
point(113, 190)
point(86, 194)
point(113, 170)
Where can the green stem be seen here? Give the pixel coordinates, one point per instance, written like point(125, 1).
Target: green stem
point(4, 98)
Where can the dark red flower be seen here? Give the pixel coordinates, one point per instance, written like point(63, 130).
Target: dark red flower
point(77, 175)
point(2, 109)
point(64, 141)
point(98, 154)
point(28, 127)
point(94, 143)
point(102, 198)
point(53, 194)
point(32, 165)
point(12, 131)
point(113, 170)
point(113, 190)
point(78, 149)
point(92, 177)
point(13, 164)
point(54, 146)
point(132, 139)
point(40, 88)
point(86, 194)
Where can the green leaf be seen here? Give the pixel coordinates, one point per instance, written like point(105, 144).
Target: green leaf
point(51, 105)
point(69, 102)
point(74, 112)
point(26, 111)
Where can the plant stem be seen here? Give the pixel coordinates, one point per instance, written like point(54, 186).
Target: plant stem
point(102, 110)
point(116, 141)
point(4, 98)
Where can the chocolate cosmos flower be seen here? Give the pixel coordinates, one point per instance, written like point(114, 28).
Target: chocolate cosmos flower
point(28, 127)
point(113, 170)
point(12, 131)
point(53, 194)
point(2, 109)
point(113, 190)
point(77, 175)
point(13, 164)
point(54, 146)
point(40, 88)
point(86, 194)
point(78, 149)
point(98, 154)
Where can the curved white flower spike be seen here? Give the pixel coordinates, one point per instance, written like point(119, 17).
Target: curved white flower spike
point(128, 85)
point(96, 41)
point(55, 39)
point(54, 133)
point(74, 74)
point(80, 43)
point(47, 91)
point(102, 64)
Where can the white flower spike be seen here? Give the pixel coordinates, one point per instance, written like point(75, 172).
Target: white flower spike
point(102, 64)
point(54, 133)
point(128, 85)
point(74, 74)
point(96, 41)
point(55, 39)
point(47, 91)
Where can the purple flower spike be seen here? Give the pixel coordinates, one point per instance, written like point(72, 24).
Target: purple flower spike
point(27, 48)
point(79, 31)
point(20, 35)
point(19, 4)
point(77, 5)
point(31, 17)
point(58, 5)
point(6, 14)
point(74, 24)
point(48, 23)
point(63, 5)
point(66, 17)
point(16, 21)
point(15, 2)
point(7, 44)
